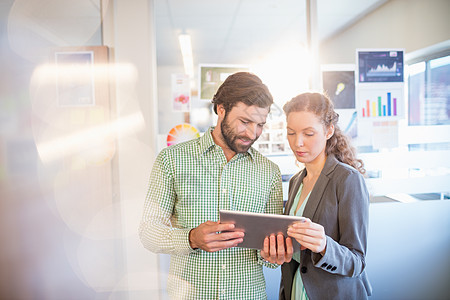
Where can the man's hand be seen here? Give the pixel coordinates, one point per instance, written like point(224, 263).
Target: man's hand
point(275, 251)
point(210, 236)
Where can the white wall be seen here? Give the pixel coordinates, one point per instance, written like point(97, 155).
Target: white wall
point(408, 24)
point(135, 89)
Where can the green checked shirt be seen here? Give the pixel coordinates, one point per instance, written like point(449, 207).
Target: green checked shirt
point(189, 183)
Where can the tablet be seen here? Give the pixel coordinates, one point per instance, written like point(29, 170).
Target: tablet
point(257, 226)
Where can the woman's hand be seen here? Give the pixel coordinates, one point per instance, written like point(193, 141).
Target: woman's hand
point(309, 235)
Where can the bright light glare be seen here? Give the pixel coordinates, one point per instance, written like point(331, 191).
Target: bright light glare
point(186, 51)
point(286, 72)
point(416, 68)
point(87, 139)
point(94, 141)
point(439, 62)
point(48, 73)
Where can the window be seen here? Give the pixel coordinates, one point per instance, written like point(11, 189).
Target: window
point(429, 92)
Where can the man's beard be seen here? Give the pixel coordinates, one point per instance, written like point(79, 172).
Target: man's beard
point(230, 138)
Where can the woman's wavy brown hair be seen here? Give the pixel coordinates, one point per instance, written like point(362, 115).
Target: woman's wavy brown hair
point(339, 144)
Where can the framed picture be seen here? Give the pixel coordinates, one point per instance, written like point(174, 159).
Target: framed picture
point(380, 65)
point(212, 76)
point(181, 92)
point(273, 140)
point(75, 78)
point(80, 76)
point(338, 82)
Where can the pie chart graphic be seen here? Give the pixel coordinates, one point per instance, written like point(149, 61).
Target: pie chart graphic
point(181, 133)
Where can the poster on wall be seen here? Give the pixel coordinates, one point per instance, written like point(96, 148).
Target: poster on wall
point(380, 65)
point(181, 93)
point(338, 82)
point(75, 78)
point(181, 133)
point(213, 75)
point(348, 122)
point(385, 134)
point(381, 102)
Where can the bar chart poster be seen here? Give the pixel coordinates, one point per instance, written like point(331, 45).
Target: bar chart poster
point(380, 104)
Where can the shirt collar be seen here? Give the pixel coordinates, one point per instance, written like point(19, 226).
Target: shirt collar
point(206, 140)
point(207, 143)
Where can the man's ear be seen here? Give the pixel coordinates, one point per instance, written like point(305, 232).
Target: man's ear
point(220, 111)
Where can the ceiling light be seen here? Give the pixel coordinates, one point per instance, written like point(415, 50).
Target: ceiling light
point(186, 51)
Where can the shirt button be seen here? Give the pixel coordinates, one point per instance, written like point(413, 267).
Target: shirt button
point(223, 292)
point(224, 267)
point(224, 191)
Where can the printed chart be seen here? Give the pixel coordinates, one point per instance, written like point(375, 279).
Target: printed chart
point(380, 103)
point(182, 133)
point(380, 66)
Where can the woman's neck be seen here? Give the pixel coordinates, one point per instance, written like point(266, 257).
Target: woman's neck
point(314, 168)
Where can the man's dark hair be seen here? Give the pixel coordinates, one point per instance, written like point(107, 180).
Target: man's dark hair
point(242, 87)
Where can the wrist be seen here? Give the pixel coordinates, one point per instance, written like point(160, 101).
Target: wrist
point(191, 242)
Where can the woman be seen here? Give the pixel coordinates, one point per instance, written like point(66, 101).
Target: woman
point(330, 192)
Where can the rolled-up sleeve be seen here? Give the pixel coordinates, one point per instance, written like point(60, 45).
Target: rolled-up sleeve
point(156, 231)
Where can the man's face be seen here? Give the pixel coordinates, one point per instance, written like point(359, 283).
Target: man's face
point(242, 126)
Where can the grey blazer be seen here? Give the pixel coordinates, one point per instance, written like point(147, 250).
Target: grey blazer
point(339, 202)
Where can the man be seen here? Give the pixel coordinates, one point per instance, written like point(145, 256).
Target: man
point(191, 181)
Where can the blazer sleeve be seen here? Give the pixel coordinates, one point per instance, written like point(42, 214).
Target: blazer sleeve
point(346, 255)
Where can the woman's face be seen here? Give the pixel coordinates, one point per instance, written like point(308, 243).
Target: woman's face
point(307, 136)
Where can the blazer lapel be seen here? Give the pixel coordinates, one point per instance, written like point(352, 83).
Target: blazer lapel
point(293, 189)
point(319, 187)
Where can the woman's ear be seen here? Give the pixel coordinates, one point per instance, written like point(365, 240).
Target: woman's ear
point(330, 131)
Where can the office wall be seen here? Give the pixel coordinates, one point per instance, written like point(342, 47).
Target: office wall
point(408, 250)
point(68, 225)
point(45, 207)
point(134, 58)
point(408, 24)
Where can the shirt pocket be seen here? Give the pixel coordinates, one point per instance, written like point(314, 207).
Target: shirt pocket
point(250, 195)
point(196, 197)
